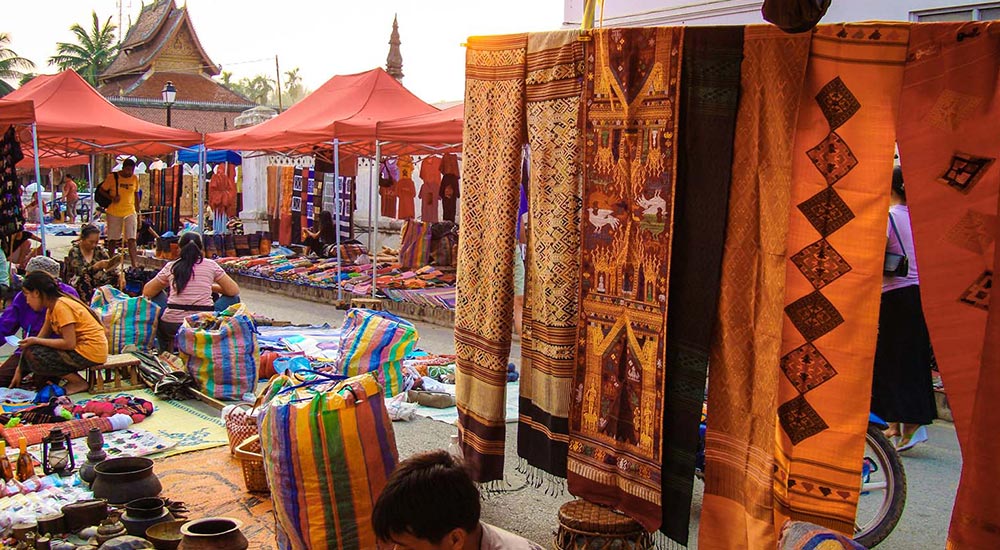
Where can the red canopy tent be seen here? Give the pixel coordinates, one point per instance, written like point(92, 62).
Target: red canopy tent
point(347, 108)
point(16, 112)
point(72, 118)
point(437, 132)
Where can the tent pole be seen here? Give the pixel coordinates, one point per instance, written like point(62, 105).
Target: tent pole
point(41, 188)
point(202, 159)
point(336, 210)
point(378, 174)
point(92, 187)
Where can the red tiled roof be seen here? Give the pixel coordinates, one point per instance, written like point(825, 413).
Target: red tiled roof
point(197, 121)
point(147, 44)
point(190, 87)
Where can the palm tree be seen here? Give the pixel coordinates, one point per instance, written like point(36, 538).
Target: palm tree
point(294, 90)
point(92, 52)
point(12, 66)
point(258, 89)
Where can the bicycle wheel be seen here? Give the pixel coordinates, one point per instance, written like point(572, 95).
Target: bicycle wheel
point(883, 490)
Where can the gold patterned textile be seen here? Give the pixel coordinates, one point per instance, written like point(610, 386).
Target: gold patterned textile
point(494, 134)
point(552, 264)
point(616, 417)
point(841, 169)
point(737, 510)
point(948, 145)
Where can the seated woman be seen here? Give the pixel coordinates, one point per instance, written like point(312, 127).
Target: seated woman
point(71, 339)
point(21, 249)
point(324, 236)
point(18, 316)
point(190, 280)
point(87, 263)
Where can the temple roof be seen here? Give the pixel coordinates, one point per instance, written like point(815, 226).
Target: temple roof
point(162, 30)
point(394, 62)
point(189, 86)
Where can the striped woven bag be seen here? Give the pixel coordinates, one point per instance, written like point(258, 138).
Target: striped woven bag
point(377, 342)
point(127, 321)
point(220, 351)
point(328, 448)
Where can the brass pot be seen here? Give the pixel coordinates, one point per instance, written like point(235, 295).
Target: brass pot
point(213, 534)
point(121, 480)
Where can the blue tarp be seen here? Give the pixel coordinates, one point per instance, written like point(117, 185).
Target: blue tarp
point(215, 156)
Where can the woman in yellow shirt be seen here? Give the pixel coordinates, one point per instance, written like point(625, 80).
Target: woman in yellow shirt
point(72, 338)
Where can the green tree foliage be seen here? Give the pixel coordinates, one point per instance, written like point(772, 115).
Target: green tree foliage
point(92, 52)
point(12, 66)
point(261, 89)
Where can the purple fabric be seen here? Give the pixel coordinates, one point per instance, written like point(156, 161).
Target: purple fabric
point(901, 216)
point(19, 316)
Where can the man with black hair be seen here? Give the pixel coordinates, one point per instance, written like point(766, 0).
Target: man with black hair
point(124, 188)
point(431, 503)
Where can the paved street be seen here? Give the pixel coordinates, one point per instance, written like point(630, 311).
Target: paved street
point(932, 469)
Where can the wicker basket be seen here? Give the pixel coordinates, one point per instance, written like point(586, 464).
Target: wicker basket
point(240, 425)
point(249, 454)
point(587, 526)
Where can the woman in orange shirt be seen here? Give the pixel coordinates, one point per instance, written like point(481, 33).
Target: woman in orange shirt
point(72, 338)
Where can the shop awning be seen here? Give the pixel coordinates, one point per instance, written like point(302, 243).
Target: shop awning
point(440, 131)
point(215, 156)
point(73, 118)
point(346, 107)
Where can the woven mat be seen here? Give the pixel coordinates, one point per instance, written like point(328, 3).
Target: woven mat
point(217, 491)
point(177, 422)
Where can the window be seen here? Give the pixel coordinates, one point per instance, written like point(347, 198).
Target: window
point(981, 12)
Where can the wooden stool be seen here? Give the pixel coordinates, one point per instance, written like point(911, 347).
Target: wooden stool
point(119, 365)
point(367, 303)
point(587, 526)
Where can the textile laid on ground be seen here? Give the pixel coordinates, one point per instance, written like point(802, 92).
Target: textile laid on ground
point(737, 510)
point(798, 535)
point(552, 264)
point(10, 189)
point(185, 479)
point(710, 85)
point(948, 145)
point(616, 418)
point(494, 118)
point(841, 169)
point(180, 424)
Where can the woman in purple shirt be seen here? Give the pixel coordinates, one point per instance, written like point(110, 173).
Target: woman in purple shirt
point(20, 317)
point(902, 389)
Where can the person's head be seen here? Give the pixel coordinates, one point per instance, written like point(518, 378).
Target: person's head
point(327, 231)
point(898, 190)
point(68, 178)
point(40, 290)
point(191, 253)
point(90, 235)
point(128, 167)
point(429, 503)
point(43, 264)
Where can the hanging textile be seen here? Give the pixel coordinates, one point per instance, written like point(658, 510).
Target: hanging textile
point(948, 145)
point(552, 263)
point(10, 192)
point(299, 176)
point(312, 206)
point(841, 169)
point(616, 418)
point(710, 87)
point(174, 179)
point(286, 198)
point(339, 190)
point(494, 122)
point(737, 509)
point(449, 196)
point(430, 188)
point(273, 200)
point(388, 176)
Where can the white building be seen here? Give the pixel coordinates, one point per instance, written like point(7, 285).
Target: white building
point(632, 13)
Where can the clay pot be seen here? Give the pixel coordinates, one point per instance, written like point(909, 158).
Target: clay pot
point(167, 535)
point(52, 524)
point(143, 513)
point(213, 534)
point(121, 480)
point(84, 514)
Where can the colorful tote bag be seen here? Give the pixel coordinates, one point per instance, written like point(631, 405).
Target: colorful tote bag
point(377, 342)
point(328, 449)
point(128, 321)
point(415, 248)
point(220, 351)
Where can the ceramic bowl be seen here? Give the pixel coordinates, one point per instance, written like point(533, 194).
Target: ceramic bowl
point(166, 535)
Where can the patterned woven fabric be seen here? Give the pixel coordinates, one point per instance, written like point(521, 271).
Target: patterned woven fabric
point(737, 507)
point(552, 263)
point(128, 321)
point(494, 122)
point(415, 245)
point(616, 417)
point(841, 168)
point(710, 84)
point(948, 144)
point(10, 191)
point(286, 179)
point(798, 535)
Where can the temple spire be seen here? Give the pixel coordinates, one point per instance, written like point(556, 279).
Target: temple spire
point(394, 63)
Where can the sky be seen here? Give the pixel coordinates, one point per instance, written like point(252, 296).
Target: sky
point(321, 37)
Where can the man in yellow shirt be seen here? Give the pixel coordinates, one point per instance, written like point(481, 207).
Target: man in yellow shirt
point(124, 188)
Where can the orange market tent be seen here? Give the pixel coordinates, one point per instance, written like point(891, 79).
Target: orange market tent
point(72, 118)
point(16, 112)
point(436, 132)
point(347, 108)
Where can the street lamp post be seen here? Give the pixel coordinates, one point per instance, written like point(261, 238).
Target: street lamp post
point(169, 95)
